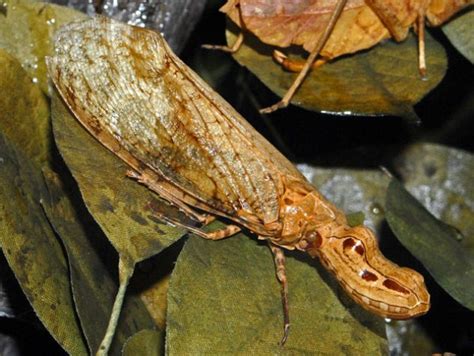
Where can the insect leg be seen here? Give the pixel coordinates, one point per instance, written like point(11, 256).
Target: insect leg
point(421, 43)
point(279, 258)
point(165, 194)
point(226, 231)
point(235, 47)
point(294, 65)
point(283, 103)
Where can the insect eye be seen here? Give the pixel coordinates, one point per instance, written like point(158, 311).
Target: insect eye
point(313, 238)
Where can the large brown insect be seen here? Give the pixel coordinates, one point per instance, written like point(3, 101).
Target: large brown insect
point(187, 144)
point(331, 28)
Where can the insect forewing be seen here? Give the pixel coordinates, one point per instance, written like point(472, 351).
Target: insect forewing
point(129, 90)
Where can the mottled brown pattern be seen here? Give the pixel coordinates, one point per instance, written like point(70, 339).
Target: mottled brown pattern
point(362, 24)
point(184, 142)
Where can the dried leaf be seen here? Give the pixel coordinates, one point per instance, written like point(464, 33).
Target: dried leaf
point(92, 281)
point(122, 207)
point(224, 298)
point(433, 243)
point(145, 342)
point(384, 80)
point(459, 31)
point(33, 251)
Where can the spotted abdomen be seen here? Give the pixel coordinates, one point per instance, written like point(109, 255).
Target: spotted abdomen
point(379, 285)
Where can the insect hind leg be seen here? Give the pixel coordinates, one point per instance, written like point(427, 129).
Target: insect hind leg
point(421, 43)
point(219, 234)
point(229, 49)
point(169, 197)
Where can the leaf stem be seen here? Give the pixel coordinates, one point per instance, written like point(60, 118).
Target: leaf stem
point(125, 273)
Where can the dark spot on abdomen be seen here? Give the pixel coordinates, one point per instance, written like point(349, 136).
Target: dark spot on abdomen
point(391, 284)
point(350, 243)
point(368, 276)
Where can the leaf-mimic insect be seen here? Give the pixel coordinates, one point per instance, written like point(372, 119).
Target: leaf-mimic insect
point(187, 144)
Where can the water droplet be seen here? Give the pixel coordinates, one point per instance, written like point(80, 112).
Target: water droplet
point(51, 22)
point(3, 8)
point(376, 209)
point(35, 80)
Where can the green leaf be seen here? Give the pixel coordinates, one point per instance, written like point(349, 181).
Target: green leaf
point(144, 343)
point(433, 243)
point(224, 298)
point(382, 80)
point(24, 111)
point(26, 32)
point(32, 249)
point(123, 208)
point(355, 219)
point(93, 284)
point(441, 179)
point(357, 192)
point(460, 33)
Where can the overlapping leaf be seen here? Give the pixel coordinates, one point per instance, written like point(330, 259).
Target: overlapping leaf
point(30, 246)
point(231, 304)
point(442, 179)
point(419, 232)
point(460, 33)
point(25, 109)
point(27, 31)
point(93, 284)
point(382, 80)
point(144, 343)
point(32, 249)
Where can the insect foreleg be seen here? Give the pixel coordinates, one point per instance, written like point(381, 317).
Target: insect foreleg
point(280, 268)
point(309, 62)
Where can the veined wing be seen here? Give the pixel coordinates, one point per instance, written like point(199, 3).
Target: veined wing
point(126, 86)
